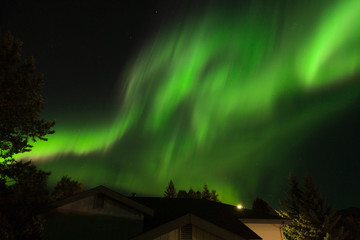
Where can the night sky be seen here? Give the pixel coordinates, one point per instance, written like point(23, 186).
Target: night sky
point(233, 95)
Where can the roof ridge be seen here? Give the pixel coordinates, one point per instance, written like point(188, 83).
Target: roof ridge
point(109, 193)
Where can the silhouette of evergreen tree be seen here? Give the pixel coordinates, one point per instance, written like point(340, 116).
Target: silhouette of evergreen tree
point(311, 217)
point(206, 193)
point(182, 194)
point(23, 192)
point(170, 191)
point(23, 187)
point(191, 194)
point(66, 187)
point(20, 100)
point(214, 196)
point(198, 194)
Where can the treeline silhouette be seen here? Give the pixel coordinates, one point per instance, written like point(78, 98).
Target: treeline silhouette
point(206, 194)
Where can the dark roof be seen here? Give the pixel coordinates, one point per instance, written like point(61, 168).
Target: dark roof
point(105, 191)
point(163, 214)
point(351, 211)
point(220, 214)
point(189, 219)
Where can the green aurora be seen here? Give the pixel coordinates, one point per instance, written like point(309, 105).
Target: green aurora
point(223, 98)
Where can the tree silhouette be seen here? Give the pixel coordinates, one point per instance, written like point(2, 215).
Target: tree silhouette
point(206, 193)
point(66, 187)
point(311, 217)
point(214, 196)
point(23, 191)
point(170, 191)
point(198, 195)
point(182, 194)
point(20, 100)
point(191, 194)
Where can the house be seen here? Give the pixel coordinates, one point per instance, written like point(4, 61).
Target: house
point(101, 213)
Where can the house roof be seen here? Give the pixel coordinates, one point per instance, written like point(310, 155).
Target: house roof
point(223, 215)
point(163, 215)
point(107, 192)
point(185, 220)
point(351, 211)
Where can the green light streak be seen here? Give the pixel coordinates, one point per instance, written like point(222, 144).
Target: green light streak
point(216, 100)
point(332, 46)
point(80, 139)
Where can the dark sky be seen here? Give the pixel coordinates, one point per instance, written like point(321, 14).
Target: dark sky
point(85, 40)
point(84, 48)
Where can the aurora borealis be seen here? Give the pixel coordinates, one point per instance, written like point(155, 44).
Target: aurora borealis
point(224, 94)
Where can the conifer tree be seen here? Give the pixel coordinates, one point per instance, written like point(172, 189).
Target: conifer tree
point(23, 191)
point(191, 194)
point(170, 191)
point(20, 100)
point(214, 196)
point(206, 193)
point(66, 187)
point(300, 227)
point(198, 194)
point(311, 217)
point(23, 187)
point(182, 194)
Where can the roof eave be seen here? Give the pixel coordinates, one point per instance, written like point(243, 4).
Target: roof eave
point(189, 219)
point(265, 221)
point(107, 192)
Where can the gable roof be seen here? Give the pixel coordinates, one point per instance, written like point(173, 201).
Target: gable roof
point(162, 215)
point(222, 215)
point(108, 193)
point(189, 219)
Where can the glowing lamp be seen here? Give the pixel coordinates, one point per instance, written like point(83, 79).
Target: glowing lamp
point(239, 206)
